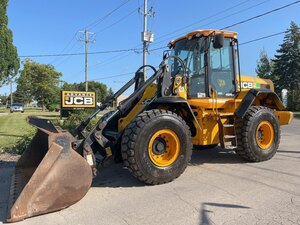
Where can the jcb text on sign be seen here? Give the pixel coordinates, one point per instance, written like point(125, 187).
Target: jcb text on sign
point(78, 99)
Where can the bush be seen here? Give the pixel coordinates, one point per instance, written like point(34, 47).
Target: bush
point(53, 107)
point(75, 118)
point(22, 144)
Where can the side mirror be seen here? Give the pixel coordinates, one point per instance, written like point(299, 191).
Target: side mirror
point(218, 41)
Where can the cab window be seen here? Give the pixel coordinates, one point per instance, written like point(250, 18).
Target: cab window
point(222, 69)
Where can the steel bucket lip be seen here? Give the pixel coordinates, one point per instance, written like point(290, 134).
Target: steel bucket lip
point(58, 150)
point(44, 124)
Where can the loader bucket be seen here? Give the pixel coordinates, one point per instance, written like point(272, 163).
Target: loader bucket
point(49, 176)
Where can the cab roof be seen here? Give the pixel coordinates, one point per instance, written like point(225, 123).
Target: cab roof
point(227, 34)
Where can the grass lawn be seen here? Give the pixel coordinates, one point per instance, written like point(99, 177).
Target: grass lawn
point(13, 126)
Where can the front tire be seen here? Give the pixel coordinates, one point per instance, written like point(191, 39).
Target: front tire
point(156, 146)
point(258, 134)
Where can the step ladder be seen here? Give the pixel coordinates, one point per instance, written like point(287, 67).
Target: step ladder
point(227, 134)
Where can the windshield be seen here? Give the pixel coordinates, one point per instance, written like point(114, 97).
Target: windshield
point(192, 53)
point(17, 104)
point(197, 58)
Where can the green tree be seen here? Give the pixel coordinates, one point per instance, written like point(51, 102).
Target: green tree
point(264, 66)
point(287, 61)
point(110, 93)
point(99, 88)
point(9, 61)
point(39, 82)
point(3, 100)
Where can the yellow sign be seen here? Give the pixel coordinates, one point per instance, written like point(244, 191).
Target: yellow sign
point(78, 99)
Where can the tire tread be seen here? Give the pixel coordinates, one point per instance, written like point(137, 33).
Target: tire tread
point(129, 139)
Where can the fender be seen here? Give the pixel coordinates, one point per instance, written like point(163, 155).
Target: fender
point(178, 103)
point(265, 96)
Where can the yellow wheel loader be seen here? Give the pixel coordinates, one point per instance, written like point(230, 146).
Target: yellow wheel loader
point(196, 98)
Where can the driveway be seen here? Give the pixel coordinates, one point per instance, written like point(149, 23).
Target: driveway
point(216, 188)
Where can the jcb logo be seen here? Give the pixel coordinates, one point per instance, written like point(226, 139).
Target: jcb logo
point(247, 85)
point(77, 99)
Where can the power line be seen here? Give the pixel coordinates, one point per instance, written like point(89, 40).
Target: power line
point(67, 58)
point(118, 21)
point(95, 23)
point(73, 38)
point(101, 52)
point(260, 15)
point(59, 60)
point(252, 18)
point(217, 20)
point(118, 57)
point(264, 37)
point(116, 75)
point(90, 53)
point(120, 50)
point(97, 31)
point(244, 43)
point(112, 76)
point(66, 47)
point(137, 49)
point(204, 19)
point(80, 53)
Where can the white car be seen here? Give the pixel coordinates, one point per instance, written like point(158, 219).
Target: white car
point(16, 107)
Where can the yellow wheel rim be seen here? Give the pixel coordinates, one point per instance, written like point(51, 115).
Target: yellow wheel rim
point(264, 135)
point(164, 147)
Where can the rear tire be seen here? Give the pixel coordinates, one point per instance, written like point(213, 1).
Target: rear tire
point(258, 134)
point(156, 146)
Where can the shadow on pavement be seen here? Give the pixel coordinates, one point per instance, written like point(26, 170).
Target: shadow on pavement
point(215, 155)
point(204, 211)
point(6, 168)
point(284, 151)
point(118, 176)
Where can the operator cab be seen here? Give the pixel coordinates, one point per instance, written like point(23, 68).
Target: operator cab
point(210, 60)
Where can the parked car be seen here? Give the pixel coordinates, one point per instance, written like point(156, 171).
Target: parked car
point(8, 106)
point(16, 107)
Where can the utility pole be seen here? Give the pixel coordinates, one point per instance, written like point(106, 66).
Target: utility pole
point(87, 40)
point(147, 37)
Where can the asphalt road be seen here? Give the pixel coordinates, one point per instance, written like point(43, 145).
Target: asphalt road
point(217, 188)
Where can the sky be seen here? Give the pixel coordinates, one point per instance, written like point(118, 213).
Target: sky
point(43, 27)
